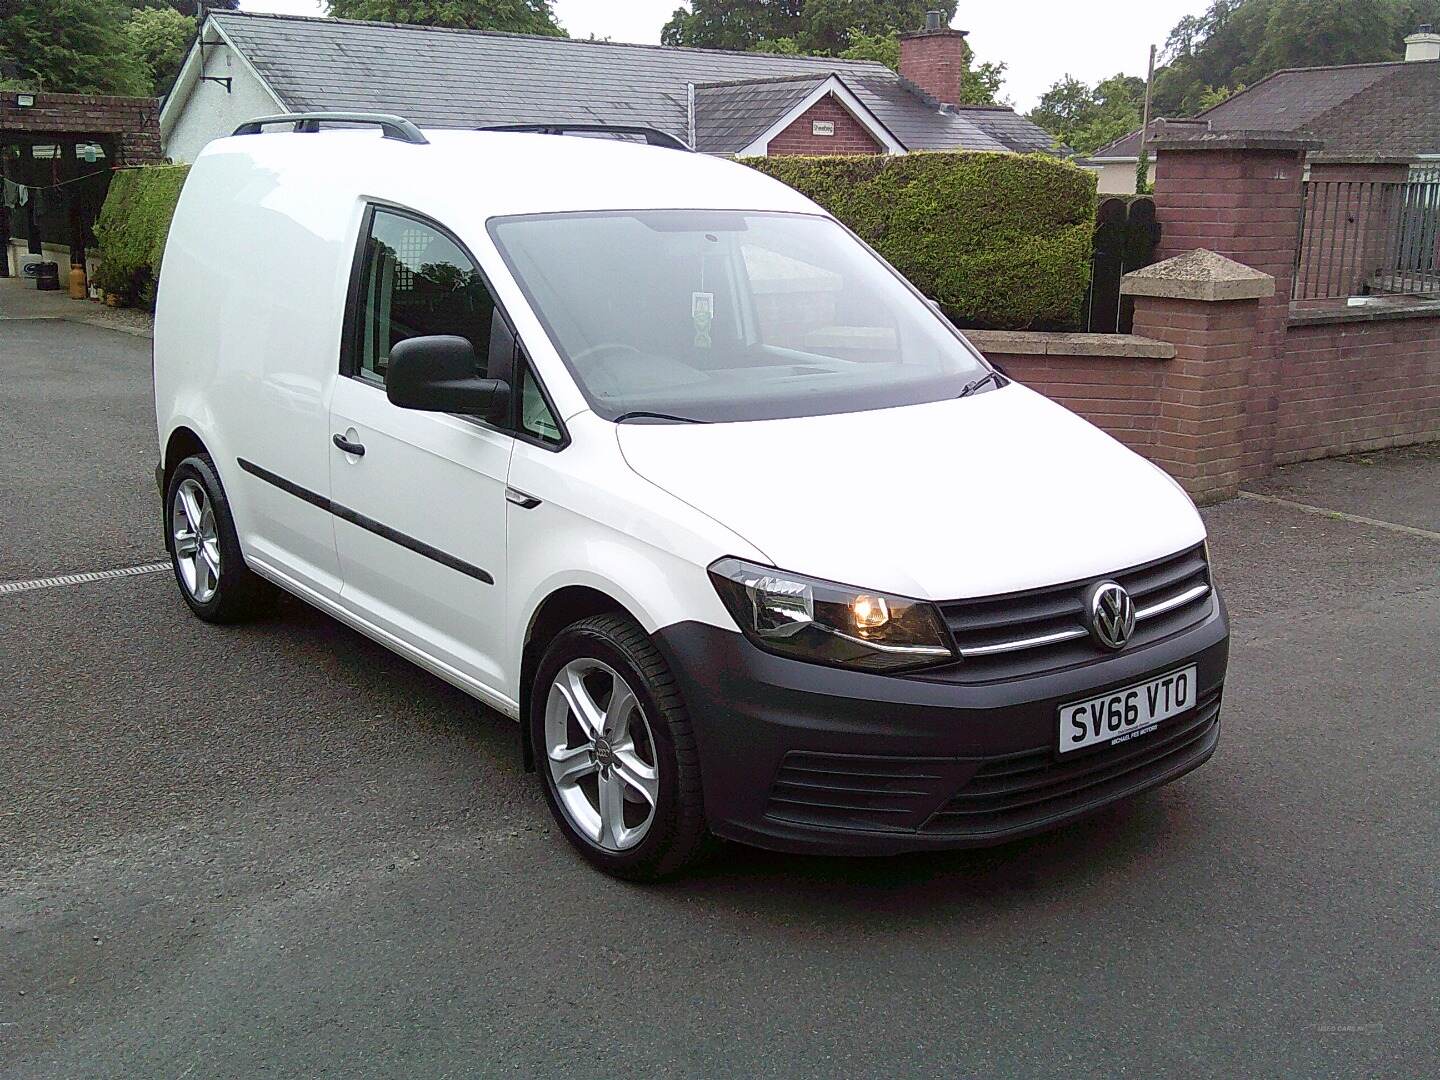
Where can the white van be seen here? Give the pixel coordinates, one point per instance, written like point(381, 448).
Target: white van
point(645, 450)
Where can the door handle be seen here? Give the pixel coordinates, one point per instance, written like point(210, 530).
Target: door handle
point(520, 499)
point(349, 447)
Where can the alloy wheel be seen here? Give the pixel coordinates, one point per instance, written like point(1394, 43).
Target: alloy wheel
point(196, 542)
point(601, 755)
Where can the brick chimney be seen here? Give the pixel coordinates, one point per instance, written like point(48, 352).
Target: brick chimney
point(934, 58)
point(1424, 44)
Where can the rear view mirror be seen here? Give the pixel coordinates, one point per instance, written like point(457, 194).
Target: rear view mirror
point(437, 374)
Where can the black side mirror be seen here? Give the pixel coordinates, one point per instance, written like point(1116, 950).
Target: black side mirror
point(437, 374)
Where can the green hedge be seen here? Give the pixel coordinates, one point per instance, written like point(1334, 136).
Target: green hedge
point(1000, 240)
point(132, 228)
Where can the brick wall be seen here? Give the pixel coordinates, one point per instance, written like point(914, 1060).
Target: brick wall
point(1358, 385)
point(849, 138)
point(1113, 380)
point(1224, 378)
point(132, 125)
point(1241, 199)
point(1120, 396)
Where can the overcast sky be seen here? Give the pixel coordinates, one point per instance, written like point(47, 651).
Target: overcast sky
point(1041, 40)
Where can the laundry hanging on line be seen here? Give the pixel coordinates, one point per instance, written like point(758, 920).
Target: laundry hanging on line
point(15, 195)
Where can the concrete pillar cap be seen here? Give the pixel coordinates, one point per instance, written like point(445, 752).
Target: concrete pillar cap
point(1199, 275)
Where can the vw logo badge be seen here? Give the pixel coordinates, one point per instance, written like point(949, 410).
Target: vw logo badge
point(1112, 615)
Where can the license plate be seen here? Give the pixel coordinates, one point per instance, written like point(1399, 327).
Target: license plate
point(1125, 714)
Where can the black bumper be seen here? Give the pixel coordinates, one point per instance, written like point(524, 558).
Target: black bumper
point(800, 757)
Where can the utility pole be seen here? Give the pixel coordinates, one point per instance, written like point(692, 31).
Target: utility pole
point(1149, 85)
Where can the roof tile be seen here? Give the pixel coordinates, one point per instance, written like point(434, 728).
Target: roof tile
point(458, 78)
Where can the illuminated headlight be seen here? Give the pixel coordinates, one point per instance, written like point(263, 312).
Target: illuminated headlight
point(826, 623)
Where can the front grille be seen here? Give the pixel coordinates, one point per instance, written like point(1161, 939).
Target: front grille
point(1027, 789)
point(1040, 630)
point(858, 791)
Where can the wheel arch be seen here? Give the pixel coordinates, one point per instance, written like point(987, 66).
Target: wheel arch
point(182, 443)
point(561, 608)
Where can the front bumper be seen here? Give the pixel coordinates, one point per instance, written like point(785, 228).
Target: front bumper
point(801, 757)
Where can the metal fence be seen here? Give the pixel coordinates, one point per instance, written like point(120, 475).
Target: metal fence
point(1368, 237)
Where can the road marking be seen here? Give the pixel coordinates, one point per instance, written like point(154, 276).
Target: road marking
point(81, 579)
point(1357, 519)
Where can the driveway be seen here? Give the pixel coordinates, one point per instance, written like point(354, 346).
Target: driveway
point(280, 850)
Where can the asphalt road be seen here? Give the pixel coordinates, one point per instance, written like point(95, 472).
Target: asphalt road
point(279, 850)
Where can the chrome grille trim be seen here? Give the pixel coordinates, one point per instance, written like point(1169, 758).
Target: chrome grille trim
point(1179, 600)
point(1039, 630)
point(1026, 643)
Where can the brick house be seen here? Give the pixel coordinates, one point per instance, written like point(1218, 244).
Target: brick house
point(247, 65)
point(1377, 114)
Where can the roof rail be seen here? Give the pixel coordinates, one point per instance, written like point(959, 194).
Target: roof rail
point(653, 136)
point(393, 127)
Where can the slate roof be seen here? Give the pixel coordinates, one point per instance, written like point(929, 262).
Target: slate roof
point(468, 78)
point(731, 116)
point(1388, 109)
point(1009, 127)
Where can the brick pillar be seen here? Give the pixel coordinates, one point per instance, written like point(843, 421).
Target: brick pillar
point(1209, 308)
point(1239, 194)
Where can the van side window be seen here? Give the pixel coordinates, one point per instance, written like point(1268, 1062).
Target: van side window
point(415, 282)
point(535, 416)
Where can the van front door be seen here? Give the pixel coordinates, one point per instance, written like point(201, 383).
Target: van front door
point(419, 498)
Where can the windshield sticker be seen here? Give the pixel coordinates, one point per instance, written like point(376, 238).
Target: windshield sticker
point(702, 313)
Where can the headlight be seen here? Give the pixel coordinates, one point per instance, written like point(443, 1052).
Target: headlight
point(827, 623)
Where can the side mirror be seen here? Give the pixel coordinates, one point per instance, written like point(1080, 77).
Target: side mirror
point(437, 374)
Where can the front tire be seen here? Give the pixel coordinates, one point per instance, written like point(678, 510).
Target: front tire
point(615, 753)
point(205, 548)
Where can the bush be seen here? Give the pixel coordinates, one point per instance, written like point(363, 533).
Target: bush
point(132, 228)
point(1001, 241)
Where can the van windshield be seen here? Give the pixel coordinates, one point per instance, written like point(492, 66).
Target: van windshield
point(720, 316)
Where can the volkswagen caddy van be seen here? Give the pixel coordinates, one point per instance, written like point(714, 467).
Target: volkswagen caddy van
point(648, 452)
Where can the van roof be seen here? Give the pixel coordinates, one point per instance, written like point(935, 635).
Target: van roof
point(493, 173)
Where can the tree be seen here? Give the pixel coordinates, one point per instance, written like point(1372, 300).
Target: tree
point(817, 27)
point(1239, 42)
point(739, 25)
point(517, 16)
point(980, 85)
point(72, 46)
point(882, 48)
point(828, 24)
point(188, 7)
point(849, 29)
point(1087, 118)
point(1214, 95)
point(159, 38)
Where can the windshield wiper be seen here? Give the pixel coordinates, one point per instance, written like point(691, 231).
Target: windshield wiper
point(989, 376)
point(645, 414)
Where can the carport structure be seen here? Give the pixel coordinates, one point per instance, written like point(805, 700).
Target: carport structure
point(56, 155)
